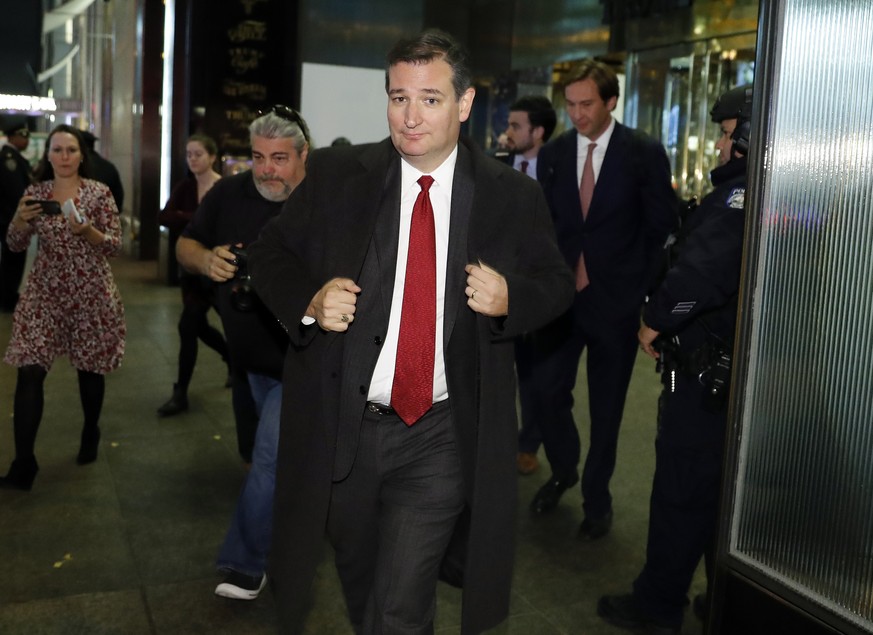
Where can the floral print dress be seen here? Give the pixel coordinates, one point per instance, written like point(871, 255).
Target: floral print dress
point(70, 305)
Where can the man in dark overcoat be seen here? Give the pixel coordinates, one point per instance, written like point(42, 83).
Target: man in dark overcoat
point(406, 492)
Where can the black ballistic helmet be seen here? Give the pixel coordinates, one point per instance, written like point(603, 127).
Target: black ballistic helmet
point(736, 104)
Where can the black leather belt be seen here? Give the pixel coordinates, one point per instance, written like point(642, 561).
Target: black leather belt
point(379, 409)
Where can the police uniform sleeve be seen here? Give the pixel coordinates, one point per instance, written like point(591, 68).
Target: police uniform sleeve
point(707, 272)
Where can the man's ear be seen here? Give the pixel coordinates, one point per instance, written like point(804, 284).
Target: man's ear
point(465, 104)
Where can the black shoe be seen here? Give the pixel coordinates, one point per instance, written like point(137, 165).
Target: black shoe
point(594, 528)
point(88, 446)
point(622, 611)
point(547, 498)
point(176, 404)
point(21, 474)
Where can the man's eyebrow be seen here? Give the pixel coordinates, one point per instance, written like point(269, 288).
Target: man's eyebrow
point(426, 91)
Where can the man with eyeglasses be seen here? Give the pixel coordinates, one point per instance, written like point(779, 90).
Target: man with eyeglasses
point(215, 245)
point(15, 176)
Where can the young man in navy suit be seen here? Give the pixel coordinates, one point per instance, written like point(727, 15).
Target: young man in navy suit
point(532, 121)
point(609, 190)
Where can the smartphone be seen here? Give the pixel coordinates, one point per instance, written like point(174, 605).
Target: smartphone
point(51, 208)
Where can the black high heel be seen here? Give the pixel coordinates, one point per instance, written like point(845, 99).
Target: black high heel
point(176, 404)
point(88, 446)
point(21, 474)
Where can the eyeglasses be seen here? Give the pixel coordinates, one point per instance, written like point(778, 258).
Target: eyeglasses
point(288, 114)
point(22, 132)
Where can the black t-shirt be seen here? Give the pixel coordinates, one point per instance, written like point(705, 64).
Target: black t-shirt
point(233, 212)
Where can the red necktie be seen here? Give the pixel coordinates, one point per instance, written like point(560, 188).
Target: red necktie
point(586, 191)
point(524, 165)
point(412, 392)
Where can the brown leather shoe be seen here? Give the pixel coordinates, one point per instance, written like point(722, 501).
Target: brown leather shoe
point(527, 463)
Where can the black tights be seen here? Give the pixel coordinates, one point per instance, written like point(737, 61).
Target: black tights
point(29, 402)
point(194, 325)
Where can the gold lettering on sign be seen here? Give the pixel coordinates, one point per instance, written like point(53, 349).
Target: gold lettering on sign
point(243, 60)
point(255, 92)
point(248, 31)
point(241, 115)
point(249, 5)
point(234, 144)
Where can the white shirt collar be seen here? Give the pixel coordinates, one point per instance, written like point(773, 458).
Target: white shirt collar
point(602, 141)
point(443, 175)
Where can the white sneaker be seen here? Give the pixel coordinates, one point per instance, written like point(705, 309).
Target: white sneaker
point(238, 586)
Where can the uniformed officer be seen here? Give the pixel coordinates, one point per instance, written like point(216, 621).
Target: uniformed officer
point(688, 325)
point(15, 176)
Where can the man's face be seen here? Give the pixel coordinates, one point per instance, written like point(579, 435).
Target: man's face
point(424, 116)
point(521, 137)
point(20, 141)
point(277, 167)
point(588, 112)
point(725, 145)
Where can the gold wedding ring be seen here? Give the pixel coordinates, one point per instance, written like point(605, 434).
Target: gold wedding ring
point(344, 318)
point(473, 295)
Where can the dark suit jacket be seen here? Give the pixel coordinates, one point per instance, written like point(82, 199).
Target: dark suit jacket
point(347, 208)
point(632, 212)
point(14, 179)
point(104, 170)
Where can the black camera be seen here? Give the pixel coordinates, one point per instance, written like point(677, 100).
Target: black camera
point(242, 295)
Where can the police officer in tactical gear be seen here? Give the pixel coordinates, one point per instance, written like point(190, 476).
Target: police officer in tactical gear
point(688, 326)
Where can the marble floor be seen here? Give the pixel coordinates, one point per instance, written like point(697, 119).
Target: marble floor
point(127, 544)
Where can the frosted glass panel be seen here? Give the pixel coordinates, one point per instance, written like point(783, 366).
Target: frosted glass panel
point(804, 501)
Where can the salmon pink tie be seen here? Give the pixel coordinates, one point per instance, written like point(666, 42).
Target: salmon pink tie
point(586, 192)
point(412, 392)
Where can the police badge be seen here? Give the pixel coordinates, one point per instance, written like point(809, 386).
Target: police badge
point(737, 198)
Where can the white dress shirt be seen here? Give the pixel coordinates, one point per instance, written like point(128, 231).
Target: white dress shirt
point(531, 165)
point(582, 144)
point(441, 201)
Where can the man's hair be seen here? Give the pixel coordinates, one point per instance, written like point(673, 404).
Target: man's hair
point(540, 112)
point(208, 143)
point(272, 126)
point(601, 74)
point(428, 46)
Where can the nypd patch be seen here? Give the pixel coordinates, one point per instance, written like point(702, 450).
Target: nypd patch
point(737, 198)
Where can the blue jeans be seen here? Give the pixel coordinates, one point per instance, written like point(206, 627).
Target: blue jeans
point(247, 543)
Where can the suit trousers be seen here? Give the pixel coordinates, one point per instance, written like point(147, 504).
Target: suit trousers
point(391, 520)
point(612, 349)
point(683, 513)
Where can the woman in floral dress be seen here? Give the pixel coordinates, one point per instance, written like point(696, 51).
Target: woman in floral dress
point(70, 305)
